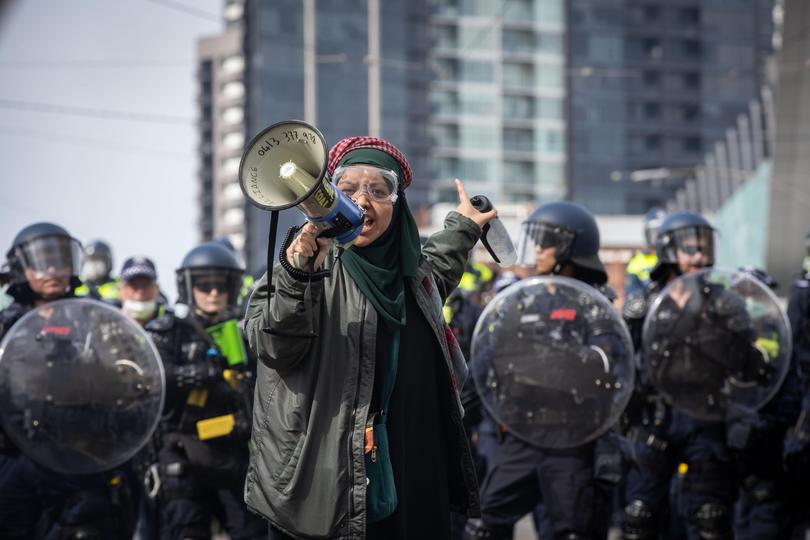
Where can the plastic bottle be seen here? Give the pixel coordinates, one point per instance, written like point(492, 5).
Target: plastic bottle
point(494, 235)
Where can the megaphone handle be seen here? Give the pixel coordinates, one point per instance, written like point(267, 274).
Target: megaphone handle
point(303, 262)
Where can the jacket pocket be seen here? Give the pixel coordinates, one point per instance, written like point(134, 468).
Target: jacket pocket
point(286, 468)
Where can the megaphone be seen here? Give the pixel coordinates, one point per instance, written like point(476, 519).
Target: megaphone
point(285, 166)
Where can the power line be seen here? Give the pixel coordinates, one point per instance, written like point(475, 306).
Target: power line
point(92, 64)
point(71, 110)
point(52, 136)
point(189, 10)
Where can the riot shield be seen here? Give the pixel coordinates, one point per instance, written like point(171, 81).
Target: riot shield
point(552, 361)
point(81, 386)
point(715, 340)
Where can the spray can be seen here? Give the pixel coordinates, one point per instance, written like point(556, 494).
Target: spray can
point(494, 235)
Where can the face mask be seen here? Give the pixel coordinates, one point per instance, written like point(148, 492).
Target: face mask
point(140, 310)
point(94, 270)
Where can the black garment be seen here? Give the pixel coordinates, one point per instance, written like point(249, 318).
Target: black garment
point(417, 434)
point(201, 479)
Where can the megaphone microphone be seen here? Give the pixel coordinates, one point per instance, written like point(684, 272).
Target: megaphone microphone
point(285, 166)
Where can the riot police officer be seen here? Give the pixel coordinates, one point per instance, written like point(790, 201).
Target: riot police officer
point(559, 238)
point(642, 263)
point(766, 507)
point(691, 354)
point(204, 434)
point(97, 283)
point(35, 502)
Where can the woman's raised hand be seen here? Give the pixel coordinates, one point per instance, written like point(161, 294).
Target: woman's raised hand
point(466, 209)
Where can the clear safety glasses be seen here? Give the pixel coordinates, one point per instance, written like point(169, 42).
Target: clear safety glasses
point(377, 184)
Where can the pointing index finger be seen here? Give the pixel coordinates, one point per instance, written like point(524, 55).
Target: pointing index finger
point(462, 193)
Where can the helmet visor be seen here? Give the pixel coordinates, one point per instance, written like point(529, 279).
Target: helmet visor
point(48, 256)
point(689, 241)
point(535, 235)
point(376, 183)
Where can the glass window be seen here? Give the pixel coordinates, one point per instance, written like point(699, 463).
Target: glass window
point(519, 41)
point(481, 8)
point(692, 144)
point(518, 107)
point(519, 75)
point(480, 170)
point(444, 102)
point(445, 37)
point(477, 103)
point(445, 69)
point(478, 137)
point(652, 110)
point(477, 37)
point(550, 76)
point(477, 71)
point(550, 173)
point(552, 141)
point(550, 108)
point(549, 42)
point(518, 172)
point(444, 135)
point(651, 78)
point(519, 140)
point(550, 11)
point(518, 11)
point(445, 7)
point(444, 168)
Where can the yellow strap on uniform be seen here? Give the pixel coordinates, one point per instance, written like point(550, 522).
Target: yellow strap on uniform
point(211, 428)
point(197, 397)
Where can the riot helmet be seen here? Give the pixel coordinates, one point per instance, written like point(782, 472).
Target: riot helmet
point(208, 267)
point(653, 220)
point(98, 262)
point(572, 229)
point(686, 232)
point(42, 252)
point(762, 275)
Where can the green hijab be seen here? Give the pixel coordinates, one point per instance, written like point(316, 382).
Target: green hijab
point(379, 269)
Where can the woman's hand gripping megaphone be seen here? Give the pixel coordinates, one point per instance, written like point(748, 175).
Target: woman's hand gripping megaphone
point(308, 250)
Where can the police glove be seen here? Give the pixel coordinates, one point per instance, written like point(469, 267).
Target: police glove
point(195, 375)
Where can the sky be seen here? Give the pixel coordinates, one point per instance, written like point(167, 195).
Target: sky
point(97, 122)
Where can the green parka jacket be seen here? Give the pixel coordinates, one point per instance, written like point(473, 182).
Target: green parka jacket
point(307, 468)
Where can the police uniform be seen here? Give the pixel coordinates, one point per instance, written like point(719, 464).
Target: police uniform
point(520, 474)
point(36, 502)
point(203, 436)
point(693, 353)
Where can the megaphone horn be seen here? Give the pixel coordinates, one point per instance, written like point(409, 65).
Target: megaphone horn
point(285, 166)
